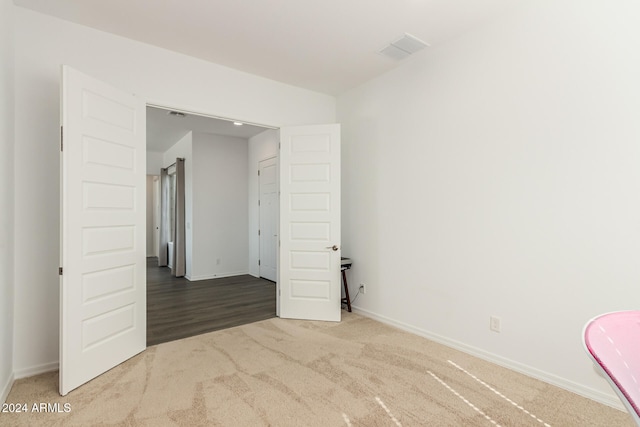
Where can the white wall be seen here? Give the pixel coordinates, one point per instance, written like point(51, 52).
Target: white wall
point(154, 162)
point(184, 149)
point(262, 146)
point(220, 241)
point(6, 195)
point(163, 77)
point(499, 174)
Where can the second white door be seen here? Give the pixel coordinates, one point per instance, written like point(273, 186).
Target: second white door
point(309, 261)
point(268, 231)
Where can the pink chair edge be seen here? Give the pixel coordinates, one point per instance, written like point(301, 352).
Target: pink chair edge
point(629, 405)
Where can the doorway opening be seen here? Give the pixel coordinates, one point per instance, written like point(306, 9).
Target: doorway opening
point(224, 284)
point(103, 165)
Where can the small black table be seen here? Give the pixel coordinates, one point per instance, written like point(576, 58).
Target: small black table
point(345, 264)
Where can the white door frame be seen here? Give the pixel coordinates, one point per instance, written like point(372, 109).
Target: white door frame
point(156, 214)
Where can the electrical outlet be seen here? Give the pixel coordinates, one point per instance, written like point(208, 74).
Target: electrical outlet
point(363, 288)
point(494, 323)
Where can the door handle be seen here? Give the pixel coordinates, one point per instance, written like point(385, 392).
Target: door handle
point(334, 247)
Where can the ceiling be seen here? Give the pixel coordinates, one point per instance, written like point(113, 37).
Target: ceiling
point(164, 130)
point(328, 46)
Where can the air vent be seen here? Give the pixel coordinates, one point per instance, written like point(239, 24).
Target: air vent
point(403, 47)
point(176, 114)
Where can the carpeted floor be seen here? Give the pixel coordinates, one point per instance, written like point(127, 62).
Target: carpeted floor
point(297, 373)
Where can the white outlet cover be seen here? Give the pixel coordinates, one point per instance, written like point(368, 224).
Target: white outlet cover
point(494, 323)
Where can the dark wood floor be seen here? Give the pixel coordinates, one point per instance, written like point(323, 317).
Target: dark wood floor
point(178, 308)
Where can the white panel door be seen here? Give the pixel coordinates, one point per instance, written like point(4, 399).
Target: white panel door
point(268, 211)
point(103, 189)
point(309, 273)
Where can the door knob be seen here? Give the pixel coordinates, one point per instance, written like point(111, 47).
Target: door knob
point(334, 247)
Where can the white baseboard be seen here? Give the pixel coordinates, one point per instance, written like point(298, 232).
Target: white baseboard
point(606, 399)
point(6, 388)
point(25, 373)
point(217, 276)
point(36, 370)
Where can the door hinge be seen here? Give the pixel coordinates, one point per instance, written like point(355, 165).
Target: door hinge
point(59, 271)
point(258, 202)
point(279, 145)
point(258, 232)
point(258, 172)
point(258, 262)
point(61, 138)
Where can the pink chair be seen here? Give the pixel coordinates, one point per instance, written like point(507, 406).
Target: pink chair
point(612, 340)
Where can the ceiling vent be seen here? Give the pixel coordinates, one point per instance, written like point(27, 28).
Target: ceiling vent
point(403, 47)
point(176, 114)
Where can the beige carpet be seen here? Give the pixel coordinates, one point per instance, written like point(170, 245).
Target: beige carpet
point(295, 373)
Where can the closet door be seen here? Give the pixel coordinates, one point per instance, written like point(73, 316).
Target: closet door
point(268, 210)
point(103, 187)
point(309, 256)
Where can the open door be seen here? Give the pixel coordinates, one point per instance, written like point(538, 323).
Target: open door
point(103, 246)
point(309, 255)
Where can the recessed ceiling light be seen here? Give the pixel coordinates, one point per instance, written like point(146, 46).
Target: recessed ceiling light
point(238, 123)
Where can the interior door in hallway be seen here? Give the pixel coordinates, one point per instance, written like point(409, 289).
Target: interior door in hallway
point(103, 236)
point(268, 211)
